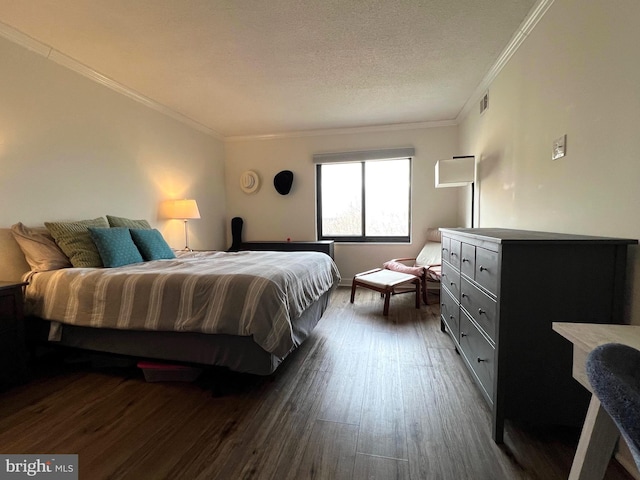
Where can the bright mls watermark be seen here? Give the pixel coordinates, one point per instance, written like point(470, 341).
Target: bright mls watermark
point(50, 467)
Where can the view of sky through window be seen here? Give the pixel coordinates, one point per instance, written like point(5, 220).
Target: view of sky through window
point(386, 198)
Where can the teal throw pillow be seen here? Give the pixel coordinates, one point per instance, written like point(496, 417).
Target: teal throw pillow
point(115, 246)
point(151, 244)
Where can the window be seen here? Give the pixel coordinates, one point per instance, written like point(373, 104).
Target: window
point(364, 201)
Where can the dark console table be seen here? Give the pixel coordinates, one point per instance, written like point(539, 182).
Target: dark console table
point(324, 246)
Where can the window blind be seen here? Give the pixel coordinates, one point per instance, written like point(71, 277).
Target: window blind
point(385, 154)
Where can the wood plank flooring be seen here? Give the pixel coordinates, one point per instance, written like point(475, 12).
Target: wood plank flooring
point(365, 397)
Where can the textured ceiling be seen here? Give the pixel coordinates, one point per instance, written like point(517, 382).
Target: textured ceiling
point(261, 67)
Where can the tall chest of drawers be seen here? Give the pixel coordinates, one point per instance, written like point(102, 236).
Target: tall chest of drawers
point(501, 291)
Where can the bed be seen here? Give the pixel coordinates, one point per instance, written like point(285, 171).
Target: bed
point(243, 310)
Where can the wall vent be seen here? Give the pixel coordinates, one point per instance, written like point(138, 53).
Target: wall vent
point(484, 103)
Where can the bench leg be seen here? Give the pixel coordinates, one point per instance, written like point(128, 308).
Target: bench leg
point(353, 289)
point(417, 282)
point(387, 296)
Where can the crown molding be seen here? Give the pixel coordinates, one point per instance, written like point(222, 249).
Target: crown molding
point(344, 131)
point(518, 38)
point(60, 58)
point(24, 40)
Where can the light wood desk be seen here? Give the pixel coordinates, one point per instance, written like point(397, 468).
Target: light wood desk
point(599, 433)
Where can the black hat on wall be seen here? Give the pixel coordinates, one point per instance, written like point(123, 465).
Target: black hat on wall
point(283, 181)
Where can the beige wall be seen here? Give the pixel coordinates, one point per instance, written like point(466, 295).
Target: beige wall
point(270, 216)
point(576, 74)
point(73, 149)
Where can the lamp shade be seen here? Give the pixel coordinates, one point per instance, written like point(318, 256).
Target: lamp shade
point(455, 172)
point(183, 209)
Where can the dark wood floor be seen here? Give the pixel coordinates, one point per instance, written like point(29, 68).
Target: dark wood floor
point(366, 397)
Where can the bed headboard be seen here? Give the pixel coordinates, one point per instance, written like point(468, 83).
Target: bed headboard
point(12, 262)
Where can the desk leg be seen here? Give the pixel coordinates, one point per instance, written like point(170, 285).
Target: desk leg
point(595, 448)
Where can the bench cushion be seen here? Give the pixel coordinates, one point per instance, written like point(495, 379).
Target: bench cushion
point(385, 278)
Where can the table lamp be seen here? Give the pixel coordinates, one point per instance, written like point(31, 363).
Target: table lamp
point(185, 210)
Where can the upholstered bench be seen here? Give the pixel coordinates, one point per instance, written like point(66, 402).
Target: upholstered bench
point(385, 282)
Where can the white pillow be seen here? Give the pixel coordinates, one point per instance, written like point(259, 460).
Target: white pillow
point(39, 248)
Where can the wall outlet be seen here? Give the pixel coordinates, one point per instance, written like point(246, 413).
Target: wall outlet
point(559, 147)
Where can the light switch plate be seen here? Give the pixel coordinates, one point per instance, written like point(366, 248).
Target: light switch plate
point(559, 147)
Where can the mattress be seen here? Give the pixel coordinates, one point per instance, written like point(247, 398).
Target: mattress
point(245, 294)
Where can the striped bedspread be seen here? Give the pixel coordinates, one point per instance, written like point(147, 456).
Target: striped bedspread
point(239, 293)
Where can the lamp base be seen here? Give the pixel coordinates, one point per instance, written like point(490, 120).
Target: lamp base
point(186, 238)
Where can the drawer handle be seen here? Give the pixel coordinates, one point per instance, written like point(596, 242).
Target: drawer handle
point(462, 334)
point(480, 360)
point(454, 254)
point(482, 269)
point(450, 317)
point(464, 295)
point(464, 259)
point(445, 250)
point(452, 283)
point(481, 311)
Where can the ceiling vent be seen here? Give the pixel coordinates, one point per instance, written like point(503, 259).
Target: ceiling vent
point(484, 103)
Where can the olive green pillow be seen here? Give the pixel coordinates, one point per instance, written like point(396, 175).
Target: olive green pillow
point(127, 222)
point(75, 240)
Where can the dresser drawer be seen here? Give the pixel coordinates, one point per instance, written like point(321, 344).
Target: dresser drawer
point(482, 308)
point(446, 248)
point(454, 254)
point(8, 305)
point(13, 359)
point(8, 324)
point(468, 260)
point(450, 313)
point(451, 280)
point(486, 271)
point(478, 352)
point(13, 353)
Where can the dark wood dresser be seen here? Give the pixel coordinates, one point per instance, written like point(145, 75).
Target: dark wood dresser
point(501, 291)
point(324, 246)
point(13, 352)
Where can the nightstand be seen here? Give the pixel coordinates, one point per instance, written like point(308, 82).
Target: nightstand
point(13, 352)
